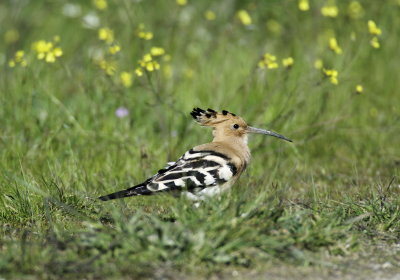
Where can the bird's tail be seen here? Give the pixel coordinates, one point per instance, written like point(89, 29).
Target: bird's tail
point(133, 191)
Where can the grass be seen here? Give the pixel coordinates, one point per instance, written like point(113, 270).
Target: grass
point(301, 210)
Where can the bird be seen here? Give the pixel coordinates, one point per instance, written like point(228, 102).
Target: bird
point(208, 169)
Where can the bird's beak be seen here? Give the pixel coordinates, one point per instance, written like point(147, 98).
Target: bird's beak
point(251, 129)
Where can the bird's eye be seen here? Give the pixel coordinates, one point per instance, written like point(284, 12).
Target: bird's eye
point(235, 126)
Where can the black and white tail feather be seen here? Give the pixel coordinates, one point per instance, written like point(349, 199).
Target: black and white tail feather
point(199, 172)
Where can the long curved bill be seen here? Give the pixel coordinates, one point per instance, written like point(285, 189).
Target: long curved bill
point(251, 129)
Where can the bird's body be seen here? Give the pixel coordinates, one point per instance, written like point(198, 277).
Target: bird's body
point(207, 169)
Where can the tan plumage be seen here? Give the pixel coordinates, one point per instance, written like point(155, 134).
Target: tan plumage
point(206, 169)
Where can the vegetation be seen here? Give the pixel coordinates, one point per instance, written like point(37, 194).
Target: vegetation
point(95, 97)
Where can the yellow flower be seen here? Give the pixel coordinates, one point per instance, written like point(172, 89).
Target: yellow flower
point(57, 38)
point(148, 36)
point(373, 28)
point(334, 46)
point(359, 89)
point(50, 57)
point(57, 52)
point(19, 58)
point(181, 2)
point(42, 47)
point(152, 65)
point(375, 43)
point(146, 58)
point(53, 54)
point(149, 66)
point(11, 63)
point(332, 75)
point(114, 49)
point(269, 57)
point(11, 36)
point(355, 10)
point(106, 34)
point(210, 15)
point(145, 35)
point(288, 62)
point(268, 61)
point(139, 72)
point(156, 65)
point(126, 79)
point(334, 80)
point(330, 10)
point(148, 63)
point(244, 17)
point(46, 50)
point(330, 72)
point(108, 66)
point(100, 4)
point(141, 33)
point(304, 5)
point(157, 51)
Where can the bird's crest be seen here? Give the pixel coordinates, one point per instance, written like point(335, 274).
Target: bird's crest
point(210, 117)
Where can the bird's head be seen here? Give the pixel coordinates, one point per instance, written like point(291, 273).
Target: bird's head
point(226, 124)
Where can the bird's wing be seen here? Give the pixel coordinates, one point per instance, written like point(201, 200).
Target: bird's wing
point(194, 170)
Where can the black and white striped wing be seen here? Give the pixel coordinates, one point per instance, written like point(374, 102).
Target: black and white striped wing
point(194, 170)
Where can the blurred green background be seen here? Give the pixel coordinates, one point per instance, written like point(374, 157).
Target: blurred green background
point(95, 96)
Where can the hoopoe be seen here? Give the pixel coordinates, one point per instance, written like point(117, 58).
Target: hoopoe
point(207, 169)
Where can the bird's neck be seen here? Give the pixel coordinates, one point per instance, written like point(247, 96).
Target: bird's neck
point(238, 144)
